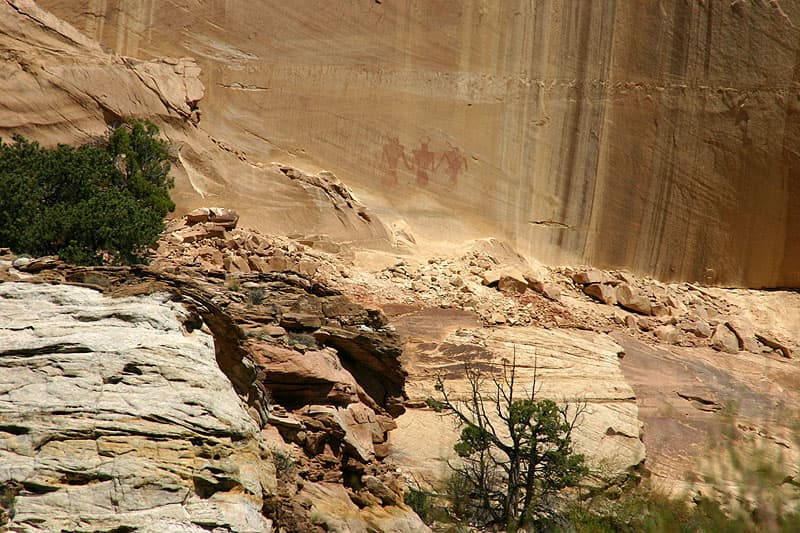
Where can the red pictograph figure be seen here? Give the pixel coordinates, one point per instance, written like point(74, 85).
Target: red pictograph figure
point(392, 153)
point(455, 161)
point(423, 162)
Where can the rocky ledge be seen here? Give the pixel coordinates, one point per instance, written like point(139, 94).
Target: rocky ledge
point(138, 399)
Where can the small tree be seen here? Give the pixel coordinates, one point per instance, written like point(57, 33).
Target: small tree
point(516, 450)
point(101, 201)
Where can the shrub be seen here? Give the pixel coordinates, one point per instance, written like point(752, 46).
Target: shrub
point(421, 501)
point(99, 202)
point(256, 296)
point(285, 464)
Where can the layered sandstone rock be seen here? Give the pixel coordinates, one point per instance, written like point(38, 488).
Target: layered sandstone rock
point(122, 413)
point(659, 137)
point(577, 367)
point(59, 86)
point(113, 416)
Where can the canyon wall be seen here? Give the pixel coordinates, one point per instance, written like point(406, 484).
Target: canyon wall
point(59, 86)
point(657, 136)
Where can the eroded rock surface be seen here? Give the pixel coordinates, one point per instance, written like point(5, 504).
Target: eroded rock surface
point(114, 417)
point(573, 366)
point(57, 85)
point(315, 376)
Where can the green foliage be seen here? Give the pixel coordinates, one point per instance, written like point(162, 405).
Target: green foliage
point(103, 201)
point(750, 479)
point(434, 404)
point(285, 463)
point(233, 284)
point(515, 461)
point(421, 501)
point(648, 511)
point(255, 296)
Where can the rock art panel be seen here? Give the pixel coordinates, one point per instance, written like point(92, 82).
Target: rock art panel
point(661, 138)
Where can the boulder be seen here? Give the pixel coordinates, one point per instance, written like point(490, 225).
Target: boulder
point(198, 215)
point(497, 318)
point(360, 426)
point(770, 340)
point(307, 267)
point(297, 321)
point(273, 330)
point(333, 509)
point(199, 232)
point(277, 264)
point(257, 264)
point(214, 231)
point(700, 328)
point(659, 310)
point(511, 282)
point(667, 334)
point(745, 334)
point(601, 292)
point(314, 377)
point(379, 489)
point(586, 277)
point(547, 289)
point(227, 218)
point(492, 277)
point(632, 300)
point(35, 265)
point(354, 425)
point(724, 340)
point(625, 277)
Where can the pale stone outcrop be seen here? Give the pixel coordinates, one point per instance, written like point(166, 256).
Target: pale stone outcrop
point(114, 416)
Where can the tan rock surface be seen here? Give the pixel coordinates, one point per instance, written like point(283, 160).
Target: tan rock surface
point(323, 387)
point(700, 408)
point(307, 338)
point(658, 137)
point(59, 86)
point(570, 365)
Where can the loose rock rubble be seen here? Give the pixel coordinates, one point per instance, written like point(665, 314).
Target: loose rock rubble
point(498, 293)
point(317, 370)
point(681, 314)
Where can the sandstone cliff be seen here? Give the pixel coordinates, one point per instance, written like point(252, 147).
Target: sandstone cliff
point(59, 86)
point(657, 136)
point(293, 417)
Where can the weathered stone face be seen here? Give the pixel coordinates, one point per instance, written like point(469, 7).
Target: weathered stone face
point(565, 365)
point(113, 416)
point(659, 137)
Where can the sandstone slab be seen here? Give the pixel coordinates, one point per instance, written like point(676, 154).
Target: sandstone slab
point(570, 365)
point(724, 340)
point(601, 292)
point(631, 299)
